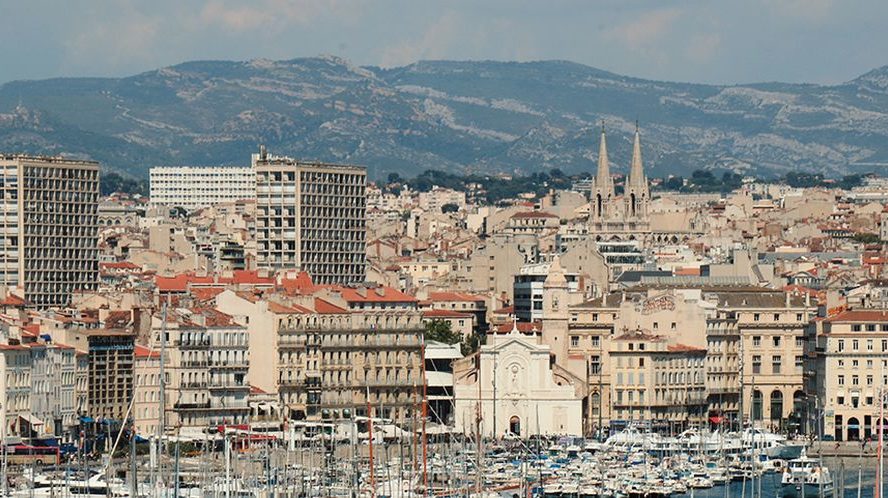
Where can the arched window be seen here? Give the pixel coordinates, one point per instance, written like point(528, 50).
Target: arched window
point(756, 405)
point(776, 405)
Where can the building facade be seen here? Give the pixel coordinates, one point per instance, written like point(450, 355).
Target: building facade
point(49, 227)
point(207, 362)
point(852, 373)
point(311, 216)
point(331, 359)
point(515, 391)
point(110, 379)
point(196, 187)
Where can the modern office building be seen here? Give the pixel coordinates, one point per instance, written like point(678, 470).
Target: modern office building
point(311, 216)
point(48, 227)
point(196, 187)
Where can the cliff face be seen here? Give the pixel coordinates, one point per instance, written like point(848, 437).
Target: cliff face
point(456, 116)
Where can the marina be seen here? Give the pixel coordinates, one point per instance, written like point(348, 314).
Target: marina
point(395, 463)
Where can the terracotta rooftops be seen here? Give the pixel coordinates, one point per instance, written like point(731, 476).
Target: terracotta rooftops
point(534, 214)
point(445, 314)
point(454, 296)
point(861, 316)
point(145, 352)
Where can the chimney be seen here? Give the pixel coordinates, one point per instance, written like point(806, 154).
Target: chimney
point(787, 298)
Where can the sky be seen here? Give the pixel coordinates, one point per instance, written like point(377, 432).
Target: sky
point(716, 41)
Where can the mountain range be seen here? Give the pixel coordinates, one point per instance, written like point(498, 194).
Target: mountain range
point(483, 116)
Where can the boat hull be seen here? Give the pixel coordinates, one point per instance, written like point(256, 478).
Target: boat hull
point(809, 491)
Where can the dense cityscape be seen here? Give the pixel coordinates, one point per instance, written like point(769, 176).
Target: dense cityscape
point(286, 300)
point(443, 249)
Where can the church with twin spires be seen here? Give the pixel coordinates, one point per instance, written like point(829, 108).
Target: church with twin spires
point(620, 218)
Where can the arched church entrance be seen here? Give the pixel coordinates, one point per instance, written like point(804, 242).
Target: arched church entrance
point(515, 425)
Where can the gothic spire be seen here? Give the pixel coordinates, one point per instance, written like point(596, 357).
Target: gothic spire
point(603, 181)
point(636, 171)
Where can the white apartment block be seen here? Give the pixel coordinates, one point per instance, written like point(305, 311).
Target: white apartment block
point(311, 216)
point(852, 371)
point(196, 187)
point(48, 227)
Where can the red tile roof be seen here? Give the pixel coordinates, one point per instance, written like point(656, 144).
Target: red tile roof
point(214, 317)
point(376, 295)
point(523, 327)
point(302, 283)
point(454, 296)
point(118, 319)
point(206, 293)
point(861, 316)
point(327, 308)
point(145, 352)
point(179, 283)
point(534, 214)
point(287, 310)
point(121, 265)
point(684, 348)
point(445, 314)
point(13, 300)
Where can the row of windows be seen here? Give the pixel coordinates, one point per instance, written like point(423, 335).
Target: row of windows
point(855, 380)
point(776, 341)
point(776, 363)
point(855, 345)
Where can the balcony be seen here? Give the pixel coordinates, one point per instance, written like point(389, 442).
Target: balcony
point(218, 364)
point(193, 385)
point(221, 386)
point(195, 364)
point(192, 406)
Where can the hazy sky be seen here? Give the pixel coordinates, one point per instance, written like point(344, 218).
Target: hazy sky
point(720, 41)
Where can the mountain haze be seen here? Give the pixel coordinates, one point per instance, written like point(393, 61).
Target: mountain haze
point(456, 116)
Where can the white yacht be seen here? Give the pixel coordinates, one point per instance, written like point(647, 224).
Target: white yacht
point(806, 476)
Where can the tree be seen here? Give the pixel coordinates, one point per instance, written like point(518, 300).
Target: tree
point(440, 331)
point(866, 238)
point(449, 208)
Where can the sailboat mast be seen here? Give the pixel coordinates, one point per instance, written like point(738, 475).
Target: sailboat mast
point(370, 438)
point(425, 409)
point(161, 416)
point(881, 469)
point(478, 432)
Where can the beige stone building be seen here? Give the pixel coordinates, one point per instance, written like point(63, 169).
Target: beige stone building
point(656, 381)
point(331, 359)
point(852, 373)
point(491, 268)
point(207, 358)
point(748, 340)
point(146, 395)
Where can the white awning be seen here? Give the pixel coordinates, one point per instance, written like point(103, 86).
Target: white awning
point(31, 419)
point(439, 379)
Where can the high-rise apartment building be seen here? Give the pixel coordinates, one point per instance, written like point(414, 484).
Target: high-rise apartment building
point(195, 187)
point(311, 216)
point(48, 227)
